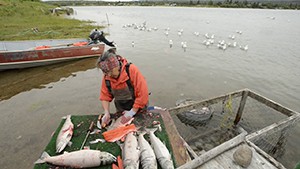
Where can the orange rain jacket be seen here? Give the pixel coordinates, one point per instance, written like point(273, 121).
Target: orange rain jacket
point(137, 80)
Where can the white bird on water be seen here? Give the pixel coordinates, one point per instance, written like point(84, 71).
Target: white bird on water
point(245, 48)
point(170, 43)
point(239, 32)
point(166, 33)
point(206, 42)
point(231, 37)
point(132, 43)
point(179, 33)
point(184, 45)
point(234, 44)
point(207, 36)
point(222, 46)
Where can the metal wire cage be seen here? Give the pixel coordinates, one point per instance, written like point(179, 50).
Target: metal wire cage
point(267, 122)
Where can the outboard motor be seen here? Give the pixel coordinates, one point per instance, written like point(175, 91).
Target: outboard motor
point(97, 36)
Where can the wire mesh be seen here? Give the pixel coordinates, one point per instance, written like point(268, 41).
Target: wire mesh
point(219, 129)
point(257, 116)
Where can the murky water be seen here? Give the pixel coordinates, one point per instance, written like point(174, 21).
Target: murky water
point(36, 99)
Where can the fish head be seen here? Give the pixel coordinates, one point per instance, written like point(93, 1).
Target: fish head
point(106, 158)
point(60, 146)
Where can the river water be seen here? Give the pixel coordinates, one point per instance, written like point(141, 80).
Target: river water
point(37, 98)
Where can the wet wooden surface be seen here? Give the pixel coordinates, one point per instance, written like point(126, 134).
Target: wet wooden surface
point(176, 141)
point(225, 160)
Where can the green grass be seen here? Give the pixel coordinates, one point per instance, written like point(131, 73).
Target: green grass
point(19, 17)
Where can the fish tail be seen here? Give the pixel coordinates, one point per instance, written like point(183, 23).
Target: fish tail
point(142, 132)
point(150, 130)
point(66, 117)
point(42, 158)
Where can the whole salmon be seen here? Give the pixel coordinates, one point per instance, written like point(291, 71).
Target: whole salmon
point(79, 159)
point(131, 152)
point(64, 135)
point(161, 151)
point(147, 156)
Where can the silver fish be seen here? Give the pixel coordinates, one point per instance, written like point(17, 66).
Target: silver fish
point(161, 151)
point(131, 152)
point(79, 159)
point(147, 156)
point(65, 135)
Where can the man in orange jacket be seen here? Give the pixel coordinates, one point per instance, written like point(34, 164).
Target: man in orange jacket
point(123, 82)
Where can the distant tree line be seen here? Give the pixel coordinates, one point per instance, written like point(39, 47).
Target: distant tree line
point(191, 3)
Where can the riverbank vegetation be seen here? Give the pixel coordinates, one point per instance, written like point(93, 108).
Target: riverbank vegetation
point(190, 3)
point(31, 20)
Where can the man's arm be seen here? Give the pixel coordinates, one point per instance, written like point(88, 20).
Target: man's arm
point(105, 105)
point(140, 87)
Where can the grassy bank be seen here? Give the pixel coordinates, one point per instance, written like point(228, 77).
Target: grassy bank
point(191, 3)
point(19, 17)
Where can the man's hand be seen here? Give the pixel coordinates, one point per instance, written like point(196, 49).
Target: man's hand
point(105, 119)
point(127, 116)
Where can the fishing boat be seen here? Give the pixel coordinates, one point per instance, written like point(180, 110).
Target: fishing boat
point(25, 54)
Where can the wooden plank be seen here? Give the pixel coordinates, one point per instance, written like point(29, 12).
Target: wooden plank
point(214, 152)
point(272, 104)
point(260, 162)
point(257, 162)
point(241, 107)
point(275, 127)
point(226, 161)
point(267, 156)
point(179, 151)
point(207, 102)
point(189, 149)
point(211, 164)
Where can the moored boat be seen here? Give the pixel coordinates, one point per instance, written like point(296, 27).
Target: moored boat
point(45, 54)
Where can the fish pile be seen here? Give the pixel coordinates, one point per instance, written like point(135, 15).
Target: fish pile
point(147, 155)
point(76, 159)
point(131, 152)
point(161, 151)
point(136, 150)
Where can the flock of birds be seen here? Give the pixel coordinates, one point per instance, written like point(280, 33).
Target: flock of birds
point(209, 39)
